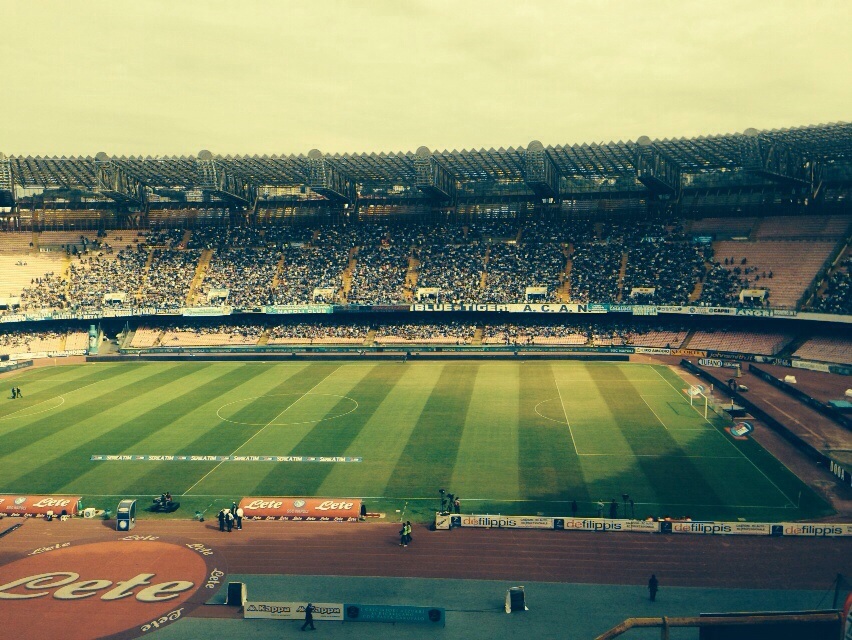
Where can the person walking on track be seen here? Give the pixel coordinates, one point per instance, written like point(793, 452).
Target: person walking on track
point(309, 617)
point(653, 586)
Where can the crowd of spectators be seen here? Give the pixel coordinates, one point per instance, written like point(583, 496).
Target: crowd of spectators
point(454, 269)
point(453, 332)
point(467, 262)
point(47, 292)
point(93, 277)
point(381, 265)
point(168, 279)
point(724, 281)
point(318, 264)
point(837, 297)
point(353, 333)
point(247, 274)
point(672, 268)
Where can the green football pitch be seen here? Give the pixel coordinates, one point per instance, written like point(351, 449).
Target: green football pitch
point(507, 437)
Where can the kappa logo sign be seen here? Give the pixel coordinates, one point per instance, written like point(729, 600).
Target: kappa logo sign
point(121, 589)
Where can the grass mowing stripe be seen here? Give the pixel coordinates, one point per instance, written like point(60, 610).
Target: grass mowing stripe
point(148, 411)
point(548, 467)
point(259, 445)
point(383, 438)
point(66, 387)
point(199, 432)
point(78, 409)
point(430, 455)
point(226, 437)
point(487, 458)
point(333, 438)
point(672, 477)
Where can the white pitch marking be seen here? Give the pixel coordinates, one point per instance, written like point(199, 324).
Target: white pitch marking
point(308, 392)
point(567, 422)
point(759, 470)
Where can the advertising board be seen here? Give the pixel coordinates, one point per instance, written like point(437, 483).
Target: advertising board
point(298, 508)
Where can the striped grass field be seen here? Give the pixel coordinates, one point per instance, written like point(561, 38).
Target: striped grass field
point(507, 437)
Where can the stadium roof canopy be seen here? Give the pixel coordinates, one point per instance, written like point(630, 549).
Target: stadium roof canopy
point(829, 145)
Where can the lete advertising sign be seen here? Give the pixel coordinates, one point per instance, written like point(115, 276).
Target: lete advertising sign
point(12, 505)
point(114, 589)
point(308, 509)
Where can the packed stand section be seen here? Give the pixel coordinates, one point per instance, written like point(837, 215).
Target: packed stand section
point(512, 268)
point(316, 333)
point(520, 335)
point(317, 264)
point(94, 277)
point(671, 267)
point(457, 333)
point(169, 277)
point(381, 265)
point(454, 269)
point(247, 274)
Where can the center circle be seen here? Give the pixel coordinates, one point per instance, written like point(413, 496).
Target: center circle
point(17, 415)
point(550, 403)
point(280, 419)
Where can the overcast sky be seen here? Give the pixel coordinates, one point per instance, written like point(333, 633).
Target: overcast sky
point(160, 77)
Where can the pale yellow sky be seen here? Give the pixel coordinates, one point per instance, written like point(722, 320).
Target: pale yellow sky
point(161, 77)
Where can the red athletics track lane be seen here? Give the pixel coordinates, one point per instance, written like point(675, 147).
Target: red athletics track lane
point(367, 549)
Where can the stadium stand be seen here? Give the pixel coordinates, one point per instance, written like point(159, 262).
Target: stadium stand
point(826, 349)
point(784, 268)
point(737, 341)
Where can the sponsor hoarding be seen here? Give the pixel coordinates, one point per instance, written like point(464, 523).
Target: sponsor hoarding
point(297, 508)
point(816, 529)
point(723, 528)
point(206, 311)
point(695, 353)
point(606, 525)
point(506, 522)
point(811, 366)
point(392, 613)
point(659, 351)
point(292, 610)
point(18, 505)
point(286, 309)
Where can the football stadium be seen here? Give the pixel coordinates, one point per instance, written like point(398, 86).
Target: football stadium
point(430, 393)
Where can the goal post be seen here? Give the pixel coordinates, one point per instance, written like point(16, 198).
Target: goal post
point(696, 395)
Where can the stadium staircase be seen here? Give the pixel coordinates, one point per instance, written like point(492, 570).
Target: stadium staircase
point(411, 277)
point(477, 336)
point(755, 230)
point(484, 275)
point(371, 338)
point(276, 279)
point(140, 292)
point(563, 292)
point(263, 340)
point(699, 286)
point(346, 276)
point(186, 237)
point(689, 336)
point(621, 273)
point(791, 347)
point(198, 278)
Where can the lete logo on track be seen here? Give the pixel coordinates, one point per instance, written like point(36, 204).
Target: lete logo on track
point(121, 589)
